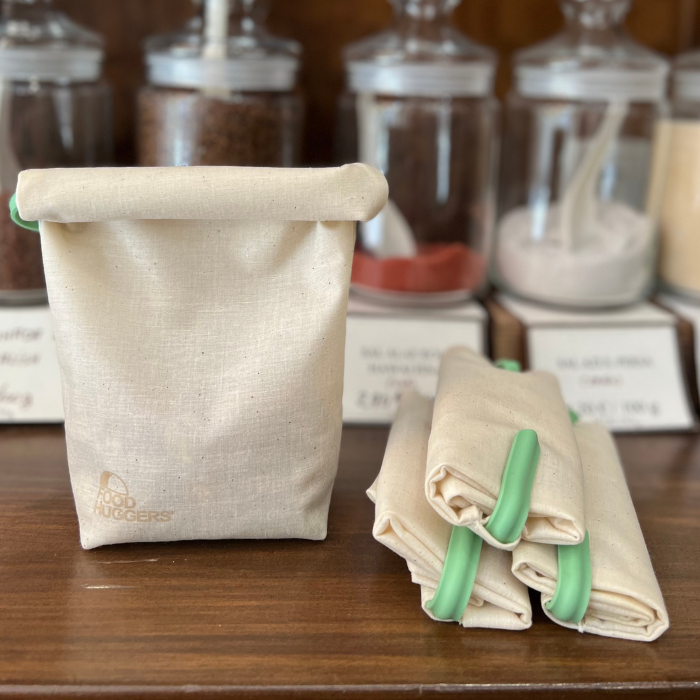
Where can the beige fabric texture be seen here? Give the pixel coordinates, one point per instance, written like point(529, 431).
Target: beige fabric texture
point(406, 524)
point(350, 193)
point(478, 411)
point(626, 601)
point(199, 316)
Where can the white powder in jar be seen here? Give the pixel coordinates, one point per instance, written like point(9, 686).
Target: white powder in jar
point(581, 251)
point(610, 266)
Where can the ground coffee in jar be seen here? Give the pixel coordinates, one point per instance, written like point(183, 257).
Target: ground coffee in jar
point(21, 271)
point(187, 127)
point(54, 111)
point(419, 107)
point(220, 93)
point(431, 237)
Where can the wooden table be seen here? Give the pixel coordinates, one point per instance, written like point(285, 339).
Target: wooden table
point(303, 619)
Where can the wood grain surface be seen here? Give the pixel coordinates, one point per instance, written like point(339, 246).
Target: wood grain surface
point(282, 618)
point(324, 27)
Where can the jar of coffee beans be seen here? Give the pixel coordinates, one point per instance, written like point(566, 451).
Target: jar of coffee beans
point(221, 92)
point(420, 107)
point(54, 112)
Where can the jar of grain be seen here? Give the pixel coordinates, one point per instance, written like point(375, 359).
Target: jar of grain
point(55, 111)
point(221, 92)
point(419, 106)
point(577, 214)
point(680, 212)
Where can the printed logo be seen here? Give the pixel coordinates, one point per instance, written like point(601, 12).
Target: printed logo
point(115, 503)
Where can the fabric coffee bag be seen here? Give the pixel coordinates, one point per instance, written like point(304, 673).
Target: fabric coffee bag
point(479, 409)
point(626, 600)
point(406, 524)
point(199, 316)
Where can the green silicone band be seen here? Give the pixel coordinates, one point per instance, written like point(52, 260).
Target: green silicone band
point(573, 590)
point(508, 365)
point(458, 575)
point(513, 504)
point(14, 215)
point(574, 417)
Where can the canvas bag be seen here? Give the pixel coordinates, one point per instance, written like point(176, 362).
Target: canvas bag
point(478, 410)
point(406, 524)
point(199, 317)
point(626, 600)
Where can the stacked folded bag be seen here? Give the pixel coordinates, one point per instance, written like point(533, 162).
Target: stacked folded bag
point(494, 488)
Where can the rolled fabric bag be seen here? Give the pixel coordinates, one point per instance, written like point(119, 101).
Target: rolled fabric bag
point(406, 524)
point(619, 595)
point(199, 316)
point(502, 457)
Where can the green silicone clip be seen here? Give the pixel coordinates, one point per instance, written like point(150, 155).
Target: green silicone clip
point(458, 575)
point(14, 215)
point(508, 365)
point(513, 504)
point(574, 417)
point(573, 590)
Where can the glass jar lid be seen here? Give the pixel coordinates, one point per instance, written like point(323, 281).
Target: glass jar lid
point(421, 54)
point(39, 43)
point(593, 59)
point(686, 77)
point(225, 48)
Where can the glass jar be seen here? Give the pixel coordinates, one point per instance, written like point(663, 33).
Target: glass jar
point(222, 92)
point(420, 107)
point(680, 212)
point(577, 212)
point(54, 112)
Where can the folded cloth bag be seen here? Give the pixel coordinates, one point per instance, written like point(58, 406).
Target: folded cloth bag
point(406, 524)
point(479, 409)
point(200, 326)
point(625, 599)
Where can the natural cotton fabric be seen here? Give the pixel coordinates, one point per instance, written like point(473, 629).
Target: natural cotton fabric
point(626, 600)
point(200, 326)
point(478, 411)
point(406, 524)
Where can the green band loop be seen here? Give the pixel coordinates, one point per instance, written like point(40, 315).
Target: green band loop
point(573, 591)
point(458, 575)
point(513, 505)
point(14, 215)
point(508, 365)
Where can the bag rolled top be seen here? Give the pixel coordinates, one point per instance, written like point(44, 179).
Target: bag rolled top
point(479, 409)
point(69, 195)
point(199, 316)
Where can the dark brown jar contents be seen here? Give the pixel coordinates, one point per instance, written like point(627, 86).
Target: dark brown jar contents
point(438, 157)
point(46, 125)
point(186, 127)
point(21, 268)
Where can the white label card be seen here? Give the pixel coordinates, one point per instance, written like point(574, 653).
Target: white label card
point(620, 367)
point(629, 379)
point(690, 312)
point(385, 355)
point(30, 380)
